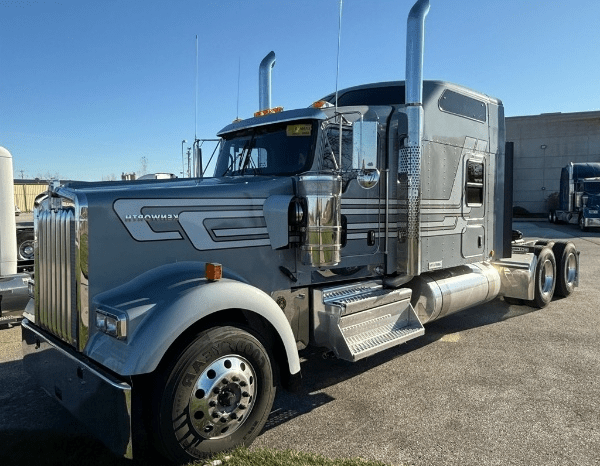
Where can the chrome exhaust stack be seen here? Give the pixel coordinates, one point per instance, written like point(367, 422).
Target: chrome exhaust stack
point(264, 81)
point(409, 159)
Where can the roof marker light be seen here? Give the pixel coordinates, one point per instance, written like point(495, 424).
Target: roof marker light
point(268, 111)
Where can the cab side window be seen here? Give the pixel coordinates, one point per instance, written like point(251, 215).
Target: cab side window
point(474, 185)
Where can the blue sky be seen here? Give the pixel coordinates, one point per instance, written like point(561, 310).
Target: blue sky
point(88, 88)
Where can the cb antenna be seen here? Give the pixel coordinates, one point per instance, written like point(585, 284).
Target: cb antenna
point(337, 74)
point(196, 105)
point(237, 110)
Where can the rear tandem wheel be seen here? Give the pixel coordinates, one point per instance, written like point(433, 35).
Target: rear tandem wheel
point(544, 277)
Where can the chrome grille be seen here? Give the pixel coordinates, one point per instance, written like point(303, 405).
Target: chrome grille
point(56, 308)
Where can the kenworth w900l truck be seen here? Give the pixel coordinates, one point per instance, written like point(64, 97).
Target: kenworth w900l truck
point(167, 311)
point(579, 196)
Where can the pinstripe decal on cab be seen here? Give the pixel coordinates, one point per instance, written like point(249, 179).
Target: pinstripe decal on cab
point(245, 226)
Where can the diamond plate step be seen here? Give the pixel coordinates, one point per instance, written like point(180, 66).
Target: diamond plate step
point(360, 320)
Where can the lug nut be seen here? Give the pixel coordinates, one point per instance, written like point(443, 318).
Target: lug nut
point(241, 406)
point(215, 415)
point(245, 394)
point(243, 384)
point(235, 378)
point(225, 381)
point(223, 419)
point(233, 416)
point(213, 403)
point(216, 390)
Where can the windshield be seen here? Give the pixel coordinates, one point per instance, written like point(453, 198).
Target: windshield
point(591, 187)
point(282, 149)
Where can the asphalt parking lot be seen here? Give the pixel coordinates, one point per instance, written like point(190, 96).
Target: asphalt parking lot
point(497, 384)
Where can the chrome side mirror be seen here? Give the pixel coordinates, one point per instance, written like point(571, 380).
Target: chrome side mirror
point(364, 153)
point(368, 179)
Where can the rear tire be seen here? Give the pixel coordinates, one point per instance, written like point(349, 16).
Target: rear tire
point(215, 395)
point(567, 268)
point(545, 277)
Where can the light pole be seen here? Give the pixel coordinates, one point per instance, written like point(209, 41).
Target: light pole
point(182, 162)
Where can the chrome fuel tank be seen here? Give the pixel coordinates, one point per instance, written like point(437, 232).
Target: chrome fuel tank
point(438, 294)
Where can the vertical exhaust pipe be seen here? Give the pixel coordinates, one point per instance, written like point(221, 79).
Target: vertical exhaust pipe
point(415, 49)
point(409, 163)
point(264, 81)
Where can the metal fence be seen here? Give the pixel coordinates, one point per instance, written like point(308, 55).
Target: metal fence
point(26, 192)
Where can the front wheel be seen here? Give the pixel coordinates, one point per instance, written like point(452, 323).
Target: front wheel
point(216, 395)
point(582, 226)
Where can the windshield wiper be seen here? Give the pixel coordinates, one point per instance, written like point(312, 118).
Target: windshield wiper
point(245, 156)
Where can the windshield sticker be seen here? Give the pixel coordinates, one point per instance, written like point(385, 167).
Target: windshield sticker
point(298, 130)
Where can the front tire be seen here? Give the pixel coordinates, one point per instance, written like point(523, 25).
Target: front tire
point(215, 395)
point(582, 226)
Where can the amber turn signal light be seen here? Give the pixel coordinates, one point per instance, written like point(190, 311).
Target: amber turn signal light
point(213, 271)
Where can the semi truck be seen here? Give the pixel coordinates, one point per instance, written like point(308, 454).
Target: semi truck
point(167, 312)
point(579, 196)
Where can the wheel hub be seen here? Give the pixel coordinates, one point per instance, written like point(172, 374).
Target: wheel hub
point(222, 397)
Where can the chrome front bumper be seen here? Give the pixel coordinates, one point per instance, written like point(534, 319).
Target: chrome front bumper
point(591, 222)
point(96, 398)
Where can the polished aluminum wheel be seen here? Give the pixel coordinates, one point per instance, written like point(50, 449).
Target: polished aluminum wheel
point(222, 397)
point(571, 269)
point(547, 278)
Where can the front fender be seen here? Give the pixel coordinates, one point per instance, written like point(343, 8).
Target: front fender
point(163, 303)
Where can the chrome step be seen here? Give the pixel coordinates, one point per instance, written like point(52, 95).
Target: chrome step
point(356, 321)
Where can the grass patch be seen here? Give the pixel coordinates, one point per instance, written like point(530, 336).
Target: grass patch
point(269, 457)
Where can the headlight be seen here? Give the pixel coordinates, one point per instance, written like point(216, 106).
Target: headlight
point(113, 323)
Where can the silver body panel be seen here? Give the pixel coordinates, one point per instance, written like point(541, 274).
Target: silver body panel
point(517, 275)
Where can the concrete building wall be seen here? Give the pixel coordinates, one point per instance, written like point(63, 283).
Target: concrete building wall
point(543, 145)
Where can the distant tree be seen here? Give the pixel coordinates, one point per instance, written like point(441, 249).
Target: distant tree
point(111, 177)
point(48, 176)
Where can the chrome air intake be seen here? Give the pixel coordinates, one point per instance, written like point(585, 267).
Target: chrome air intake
point(264, 81)
point(409, 160)
point(321, 238)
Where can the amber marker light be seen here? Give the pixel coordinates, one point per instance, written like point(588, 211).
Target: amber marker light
point(321, 104)
point(213, 271)
point(268, 111)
